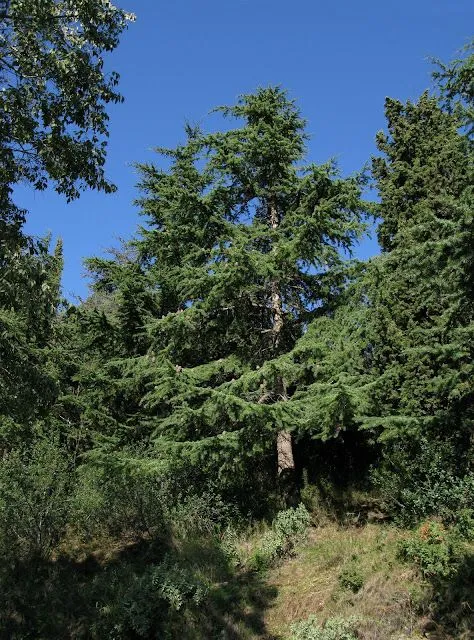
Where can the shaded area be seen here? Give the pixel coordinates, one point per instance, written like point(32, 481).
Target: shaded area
point(451, 612)
point(118, 595)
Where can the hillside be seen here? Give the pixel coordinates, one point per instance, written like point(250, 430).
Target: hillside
point(283, 582)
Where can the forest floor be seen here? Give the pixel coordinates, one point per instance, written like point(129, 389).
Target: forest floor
point(355, 572)
point(337, 572)
point(344, 572)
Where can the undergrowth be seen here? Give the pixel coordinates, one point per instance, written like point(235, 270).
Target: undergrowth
point(215, 579)
point(332, 629)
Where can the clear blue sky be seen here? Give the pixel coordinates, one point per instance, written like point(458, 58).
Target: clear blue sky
point(339, 59)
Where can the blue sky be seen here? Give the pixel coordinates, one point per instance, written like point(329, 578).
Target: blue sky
point(181, 58)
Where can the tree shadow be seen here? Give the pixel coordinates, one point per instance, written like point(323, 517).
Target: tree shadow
point(116, 597)
point(452, 608)
point(236, 610)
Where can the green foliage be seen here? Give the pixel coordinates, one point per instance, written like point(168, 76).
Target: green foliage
point(456, 85)
point(147, 417)
point(401, 343)
point(313, 501)
point(435, 549)
point(333, 629)
point(151, 599)
point(242, 248)
point(423, 313)
point(292, 523)
point(29, 300)
point(203, 513)
point(464, 523)
point(288, 529)
point(54, 92)
point(351, 578)
point(35, 499)
point(119, 500)
point(123, 496)
point(419, 478)
point(176, 585)
point(53, 124)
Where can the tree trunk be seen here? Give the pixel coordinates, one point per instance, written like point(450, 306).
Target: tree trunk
point(286, 463)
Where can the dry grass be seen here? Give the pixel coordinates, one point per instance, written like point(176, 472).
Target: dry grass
point(310, 584)
point(248, 605)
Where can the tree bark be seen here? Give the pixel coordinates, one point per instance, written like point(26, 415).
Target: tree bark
point(286, 463)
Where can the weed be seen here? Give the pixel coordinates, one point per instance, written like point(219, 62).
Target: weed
point(333, 629)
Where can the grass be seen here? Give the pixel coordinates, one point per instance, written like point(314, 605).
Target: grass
point(383, 593)
point(79, 594)
point(341, 571)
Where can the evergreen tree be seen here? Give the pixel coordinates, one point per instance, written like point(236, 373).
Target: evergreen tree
point(456, 85)
point(404, 339)
point(423, 283)
point(396, 357)
point(94, 340)
point(242, 249)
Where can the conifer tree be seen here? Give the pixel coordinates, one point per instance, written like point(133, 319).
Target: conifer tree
point(422, 318)
point(93, 342)
point(455, 81)
point(423, 284)
point(407, 331)
point(243, 247)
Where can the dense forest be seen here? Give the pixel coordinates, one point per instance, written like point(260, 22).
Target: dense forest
point(238, 398)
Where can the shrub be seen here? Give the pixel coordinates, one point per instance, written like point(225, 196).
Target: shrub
point(464, 524)
point(116, 499)
point(203, 514)
point(178, 585)
point(228, 542)
point(270, 549)
point(434, 549)
point(34, 499)
point(146, 604)
point(292, 524)
point(351, 578)
point(288, 529)
point(422, 478)
point(313, 499)
point(333, 629)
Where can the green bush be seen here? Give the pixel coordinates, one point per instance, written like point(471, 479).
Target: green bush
point(423, 478)
point(228, 544)
point(146, 605)
point(434, 549)
point(292, 524)
point(35, 499)
point(115, 500)
point(333, 629)
point(288, 529)
point(351, 578)
point(464, 524)
point(270, 549)
point(315, 500)
point(203, 514)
